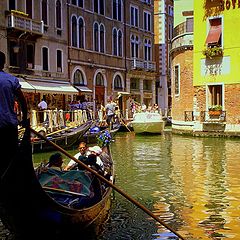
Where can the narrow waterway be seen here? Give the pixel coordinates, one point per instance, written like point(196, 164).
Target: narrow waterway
point(192, 184)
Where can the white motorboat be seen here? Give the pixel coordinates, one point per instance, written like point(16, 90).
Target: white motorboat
point(148, 122)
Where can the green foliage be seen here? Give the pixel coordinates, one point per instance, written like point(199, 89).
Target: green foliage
point(215, 108)
point(214, 51)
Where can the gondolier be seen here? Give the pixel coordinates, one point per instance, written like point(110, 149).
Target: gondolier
point(9, 90)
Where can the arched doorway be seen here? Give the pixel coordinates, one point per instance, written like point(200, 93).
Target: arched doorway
point(99, 89)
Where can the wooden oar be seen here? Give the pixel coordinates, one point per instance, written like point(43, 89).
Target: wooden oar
point(139, 205)
point(124, 124)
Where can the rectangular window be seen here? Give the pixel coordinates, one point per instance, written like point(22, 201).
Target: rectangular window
point(134, 84)
point(13, 56)
point(134, 16)
point(80, 3)
point(29, 8)
point(147, 21)
point(44, 12)
point(215, 95)
point(214, 37)
point(147, 85)
point(59, 61)
point(30, 56)
point(45, 58)
point(12, 5)
point(177, 79)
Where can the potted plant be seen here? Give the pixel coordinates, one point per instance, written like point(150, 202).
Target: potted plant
point(211, 52)
point(215, 110)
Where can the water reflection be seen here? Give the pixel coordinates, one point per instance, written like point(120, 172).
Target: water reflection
point(192, 184)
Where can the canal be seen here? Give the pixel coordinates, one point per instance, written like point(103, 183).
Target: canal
point(192, 184)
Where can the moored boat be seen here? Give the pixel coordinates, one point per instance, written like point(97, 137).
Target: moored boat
point(65, 138)
point(29, 206)
point(148, 122)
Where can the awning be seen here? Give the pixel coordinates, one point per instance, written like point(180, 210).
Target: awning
point(25, 86)
point(83, 89)
point(215, 32)
point(53, 87)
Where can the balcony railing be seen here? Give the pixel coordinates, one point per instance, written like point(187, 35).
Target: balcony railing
point(182, 28)
point(25, 24)
point(144, 65)
point(205, 116)
point(188, 116)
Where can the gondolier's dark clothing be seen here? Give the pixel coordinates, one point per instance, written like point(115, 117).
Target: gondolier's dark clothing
point(8, 119)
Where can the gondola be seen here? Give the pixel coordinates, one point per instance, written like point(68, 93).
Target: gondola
point(30, 210)
point(65, 138)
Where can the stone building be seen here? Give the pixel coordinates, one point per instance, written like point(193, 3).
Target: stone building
point(34, 36)
point(163, 29)
point(104, 48)
point(111, 50)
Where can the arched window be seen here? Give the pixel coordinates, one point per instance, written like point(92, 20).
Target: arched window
point(99, 80)
point(119, 43)
point(81, 33)
point(74, 31)
point(58, 14)
point(45, 12)
point(118, 82)
point(115, 41)
point(102, 43)
point(78, 78)
point(96, 42)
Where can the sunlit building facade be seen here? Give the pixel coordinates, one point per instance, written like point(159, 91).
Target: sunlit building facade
point(111, 50)
point(163, 29)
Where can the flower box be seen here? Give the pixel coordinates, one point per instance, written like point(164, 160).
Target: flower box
point(211, 52)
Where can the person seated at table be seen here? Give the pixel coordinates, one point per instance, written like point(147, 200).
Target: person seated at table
point(55, 161)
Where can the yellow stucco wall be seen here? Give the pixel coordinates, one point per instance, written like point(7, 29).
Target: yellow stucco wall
point(227, 67)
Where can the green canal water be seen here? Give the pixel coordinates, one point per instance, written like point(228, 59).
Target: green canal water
point(192, 184)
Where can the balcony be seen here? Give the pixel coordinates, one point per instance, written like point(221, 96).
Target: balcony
point(142, 65)
point(22, 22)
point(185, 27)
point(207, 116)
point(182, 36)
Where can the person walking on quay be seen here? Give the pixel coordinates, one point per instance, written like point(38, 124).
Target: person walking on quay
point(10, 90)
point(42, 106)
point(110, 111)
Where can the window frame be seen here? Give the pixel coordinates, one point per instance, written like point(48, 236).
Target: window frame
point(134, 22)
point(209, 29)
point(177, 86)
point(47, 58)
point(59, 66)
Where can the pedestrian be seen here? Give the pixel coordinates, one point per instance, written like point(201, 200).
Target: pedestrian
point(42, 106)
point(10, 90)
point(110, 111)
